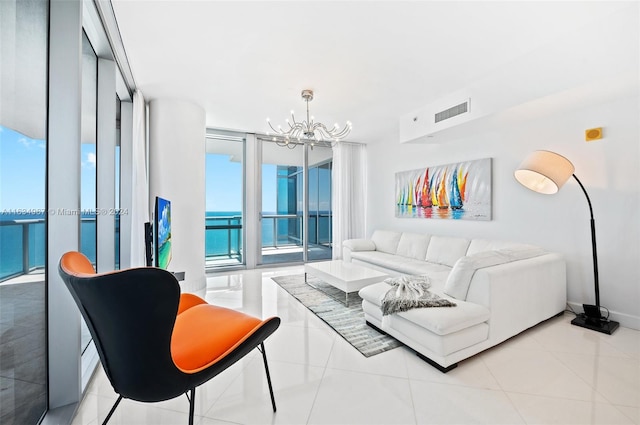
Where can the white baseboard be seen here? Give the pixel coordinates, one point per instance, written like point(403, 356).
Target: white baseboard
point(626, 320)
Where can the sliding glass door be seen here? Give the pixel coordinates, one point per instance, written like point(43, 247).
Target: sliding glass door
point(295, 217)
point(265, 203)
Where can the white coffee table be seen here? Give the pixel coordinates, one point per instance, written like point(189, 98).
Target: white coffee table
point(347, 277)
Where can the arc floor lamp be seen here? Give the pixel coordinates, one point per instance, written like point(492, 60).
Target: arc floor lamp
point(546, 172)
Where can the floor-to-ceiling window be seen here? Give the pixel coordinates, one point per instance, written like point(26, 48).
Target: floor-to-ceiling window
point(88, 150)
point(319, 245)
point(23, 164)
point(224, 190)
point(29, 185)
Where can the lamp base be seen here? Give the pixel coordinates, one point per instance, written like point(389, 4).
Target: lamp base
point(599, 325)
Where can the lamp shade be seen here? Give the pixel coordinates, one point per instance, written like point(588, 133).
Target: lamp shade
point(544, 172)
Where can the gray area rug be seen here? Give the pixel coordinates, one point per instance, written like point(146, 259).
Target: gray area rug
point(347, 321)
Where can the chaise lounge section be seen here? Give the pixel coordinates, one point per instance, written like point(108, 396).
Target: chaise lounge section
point(500, 289)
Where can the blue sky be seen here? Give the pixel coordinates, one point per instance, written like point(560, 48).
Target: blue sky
point(22, 171)
point(224, 185)
point(23, 166)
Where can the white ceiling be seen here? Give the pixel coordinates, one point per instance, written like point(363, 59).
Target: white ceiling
point(368, 62)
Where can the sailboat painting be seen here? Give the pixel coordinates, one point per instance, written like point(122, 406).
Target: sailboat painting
point(453, 191)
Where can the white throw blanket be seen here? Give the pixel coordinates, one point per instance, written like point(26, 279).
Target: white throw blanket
point(409, 292)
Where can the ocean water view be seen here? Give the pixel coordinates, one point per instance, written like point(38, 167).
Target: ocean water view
point(224, 230)
point(223, 236)
point(18, 230)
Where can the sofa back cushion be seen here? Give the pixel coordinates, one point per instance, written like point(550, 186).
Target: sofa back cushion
point(386, 241)
point(413, 245)
point(458, 281)
point(446, 250)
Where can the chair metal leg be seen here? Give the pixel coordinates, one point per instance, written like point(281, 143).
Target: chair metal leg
point(192, 405)
point(266, 368)
point(112, 410)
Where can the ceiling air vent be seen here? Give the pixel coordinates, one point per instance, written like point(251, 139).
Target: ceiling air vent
point(452, 112)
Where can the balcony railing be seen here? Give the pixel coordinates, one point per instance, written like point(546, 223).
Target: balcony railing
point(223, 234)
point(22, 245)
point(223, 237)
point(286, 229)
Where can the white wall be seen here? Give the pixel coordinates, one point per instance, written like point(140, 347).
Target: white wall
point(176, 173)
point(554, 120)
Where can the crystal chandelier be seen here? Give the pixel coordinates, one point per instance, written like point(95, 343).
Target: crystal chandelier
point(307, 132)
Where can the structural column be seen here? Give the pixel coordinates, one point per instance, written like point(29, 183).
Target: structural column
point(63, 196)
point(177, 133)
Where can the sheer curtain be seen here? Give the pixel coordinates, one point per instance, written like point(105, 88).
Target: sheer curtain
point(349, 194)
point(140, 186)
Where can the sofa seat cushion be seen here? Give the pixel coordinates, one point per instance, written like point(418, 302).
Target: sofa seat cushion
point(437, 272)
point(382, 259)
point(439, 320)
point(401, 264)
point(442, 345)
point(480, 245)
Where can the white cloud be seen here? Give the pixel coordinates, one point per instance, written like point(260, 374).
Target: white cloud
point(90, 161)
point(26, 143)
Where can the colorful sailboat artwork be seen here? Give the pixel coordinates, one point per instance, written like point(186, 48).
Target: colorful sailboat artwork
point(455, 199)
point(457, 191)
point(425, 198)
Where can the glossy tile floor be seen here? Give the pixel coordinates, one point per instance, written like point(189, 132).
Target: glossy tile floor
point(554, 373)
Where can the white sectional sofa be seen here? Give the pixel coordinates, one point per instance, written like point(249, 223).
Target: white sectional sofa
point(500, 289)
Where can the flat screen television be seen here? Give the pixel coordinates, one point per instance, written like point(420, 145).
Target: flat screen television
point(162, 233)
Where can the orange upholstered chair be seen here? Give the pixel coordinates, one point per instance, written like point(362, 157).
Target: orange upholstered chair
point(154, 343)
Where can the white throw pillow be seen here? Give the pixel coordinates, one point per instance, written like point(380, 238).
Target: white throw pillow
point(446, 250)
